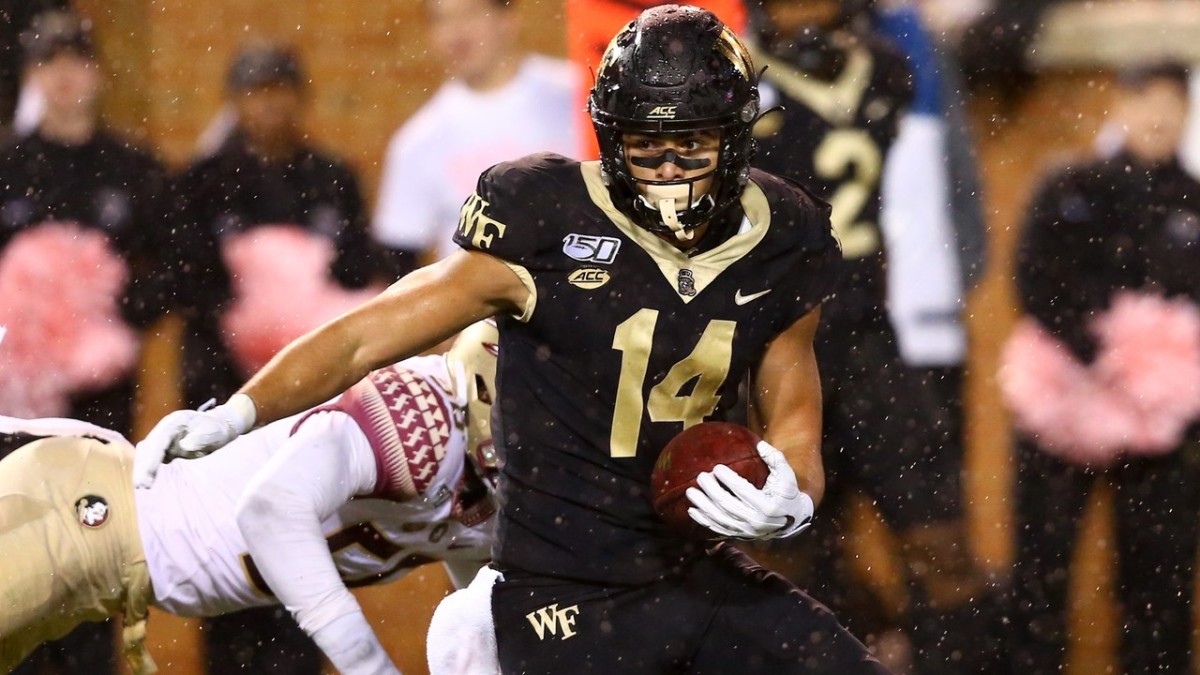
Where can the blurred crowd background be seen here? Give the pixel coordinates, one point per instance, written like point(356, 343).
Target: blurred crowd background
point(1037, 81)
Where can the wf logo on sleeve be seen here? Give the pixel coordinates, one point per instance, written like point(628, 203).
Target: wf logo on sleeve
point(478, 226)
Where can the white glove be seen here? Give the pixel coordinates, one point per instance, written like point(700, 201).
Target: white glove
point(190, 434)
point(731, 506)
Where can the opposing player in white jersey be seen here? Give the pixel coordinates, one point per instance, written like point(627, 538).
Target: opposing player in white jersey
point(390, 475)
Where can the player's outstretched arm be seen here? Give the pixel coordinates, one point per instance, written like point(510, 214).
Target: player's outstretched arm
point(414, 314)
point(788, 403)
point(320, 468)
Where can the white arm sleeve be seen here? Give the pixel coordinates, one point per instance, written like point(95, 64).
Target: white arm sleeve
point(925, 294)
point(325, 463)
point(352, 647)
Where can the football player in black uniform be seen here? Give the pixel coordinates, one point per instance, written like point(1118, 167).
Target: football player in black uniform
point(634, 296)
point(891, 431)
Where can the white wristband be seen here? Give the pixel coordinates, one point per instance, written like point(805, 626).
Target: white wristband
point(241, 412)
point(353, 648)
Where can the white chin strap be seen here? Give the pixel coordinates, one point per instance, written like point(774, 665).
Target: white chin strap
point(666, 199)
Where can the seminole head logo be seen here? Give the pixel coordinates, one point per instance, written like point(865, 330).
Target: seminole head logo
point(92, 511)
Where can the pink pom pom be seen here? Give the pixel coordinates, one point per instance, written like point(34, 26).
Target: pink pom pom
point(1150, 352)
point(60, 285)
point(1055, 398)
point(282, 290)
point(1138, 397)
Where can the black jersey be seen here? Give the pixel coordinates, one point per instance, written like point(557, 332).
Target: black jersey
point(234, 191)
point(1095, 229)
point(625, 342)
point(833, 137)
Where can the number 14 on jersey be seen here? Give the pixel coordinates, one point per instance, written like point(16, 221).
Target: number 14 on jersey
point(709, 361)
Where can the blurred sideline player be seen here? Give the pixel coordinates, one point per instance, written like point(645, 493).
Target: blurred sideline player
point(70, 185)
point(1098, 233)
point(496, 104)
point(267, 177)
point(888, 431)
point(931, 212)
point(394, 473)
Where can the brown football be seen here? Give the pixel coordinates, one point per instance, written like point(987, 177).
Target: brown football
point(694, 450)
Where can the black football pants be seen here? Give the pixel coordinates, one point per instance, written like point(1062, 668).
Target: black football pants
point(721, 615)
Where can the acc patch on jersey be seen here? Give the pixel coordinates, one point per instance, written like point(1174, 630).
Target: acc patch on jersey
point(589, 278)
point(91, 510)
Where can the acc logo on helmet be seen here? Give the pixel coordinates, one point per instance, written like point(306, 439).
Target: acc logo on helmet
point(662, 112)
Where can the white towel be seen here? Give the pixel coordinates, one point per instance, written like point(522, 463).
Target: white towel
point(461, 638)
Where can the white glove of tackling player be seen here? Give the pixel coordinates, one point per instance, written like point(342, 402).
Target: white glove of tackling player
point(730, 505)
point(190, 434)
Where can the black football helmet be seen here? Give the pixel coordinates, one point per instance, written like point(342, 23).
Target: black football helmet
point(675, 69)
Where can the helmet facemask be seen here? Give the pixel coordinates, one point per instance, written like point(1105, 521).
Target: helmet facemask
point(677, 207)
point(472, 363)
point(670, 198)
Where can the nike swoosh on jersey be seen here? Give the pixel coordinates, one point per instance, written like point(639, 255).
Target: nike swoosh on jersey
point(739, 299)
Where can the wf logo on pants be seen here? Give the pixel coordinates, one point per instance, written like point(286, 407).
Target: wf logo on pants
point(550, 619)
